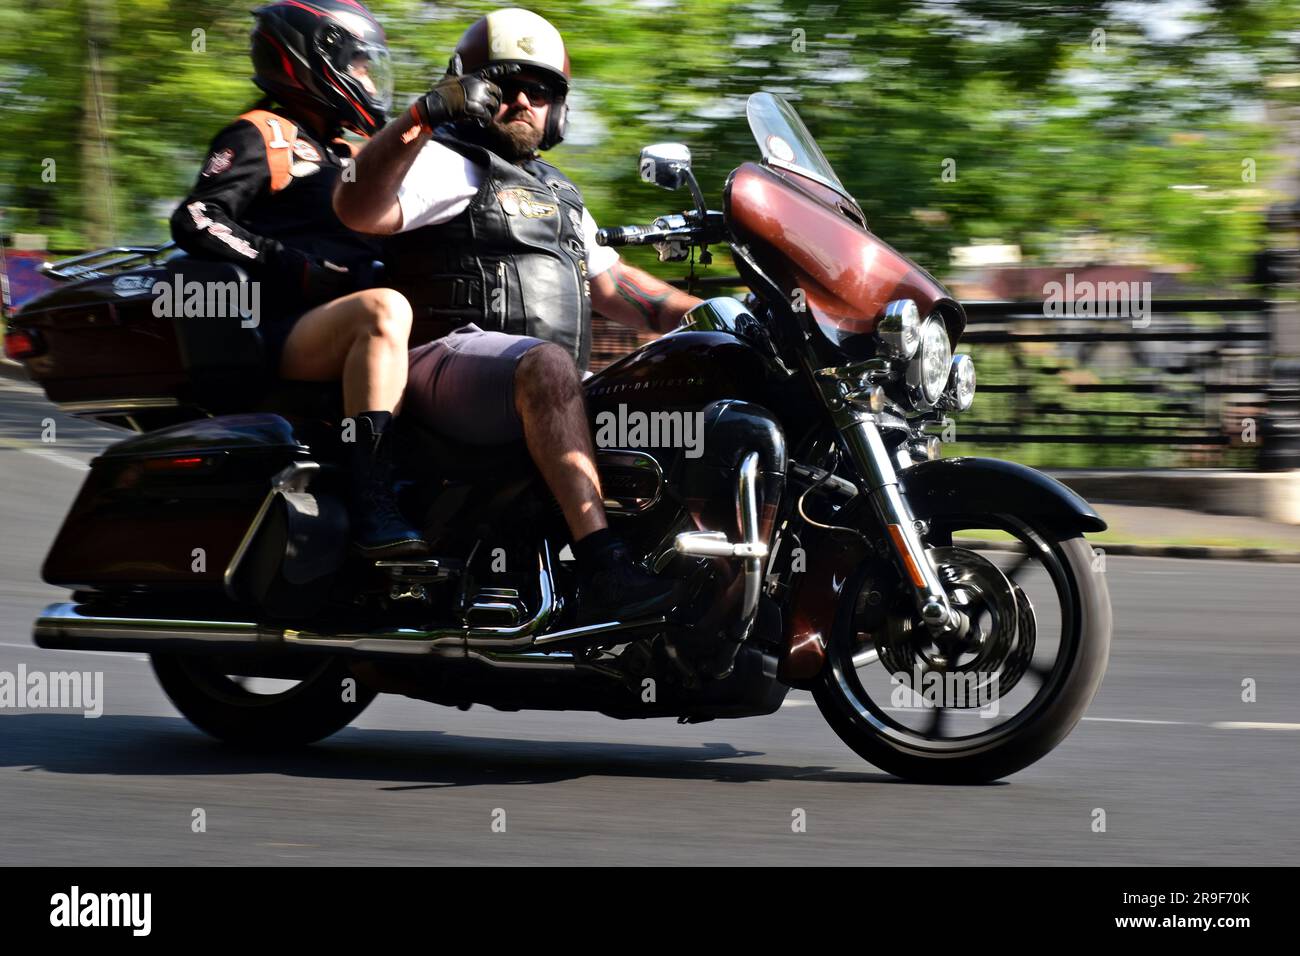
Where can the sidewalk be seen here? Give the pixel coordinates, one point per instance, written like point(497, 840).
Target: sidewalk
point(1174, 532)
point(1166, 532)
point(1155, 532)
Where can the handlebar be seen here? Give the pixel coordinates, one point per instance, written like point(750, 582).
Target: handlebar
point(628, 235)
point(681, 227)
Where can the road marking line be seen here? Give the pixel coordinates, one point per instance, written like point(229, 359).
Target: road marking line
point(124, 655)
point(1251, 725)
point(1217, 725)
point(11, 386)
point(73, 463)
point(65, 460)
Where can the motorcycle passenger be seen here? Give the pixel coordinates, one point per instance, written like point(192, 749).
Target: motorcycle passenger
point(263, 201)
point(497, 242)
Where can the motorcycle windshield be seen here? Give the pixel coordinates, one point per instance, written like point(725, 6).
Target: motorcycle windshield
point(786, 143)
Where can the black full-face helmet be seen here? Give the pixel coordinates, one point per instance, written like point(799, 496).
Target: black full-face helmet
point(327, 57)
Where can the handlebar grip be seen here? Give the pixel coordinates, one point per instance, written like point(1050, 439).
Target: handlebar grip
point(622, 235)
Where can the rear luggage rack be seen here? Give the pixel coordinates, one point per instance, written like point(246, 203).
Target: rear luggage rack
point(94, 265)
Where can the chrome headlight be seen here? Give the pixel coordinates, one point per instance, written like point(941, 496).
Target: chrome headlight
point(899, 329)
point(960, 392)
point(927, 374)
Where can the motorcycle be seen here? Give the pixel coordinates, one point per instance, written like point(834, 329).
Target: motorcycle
point(779, 455)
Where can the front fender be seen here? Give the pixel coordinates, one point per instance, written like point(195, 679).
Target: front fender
point(979, 486)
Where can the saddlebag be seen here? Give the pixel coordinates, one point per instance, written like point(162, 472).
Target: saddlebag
point(169, 510)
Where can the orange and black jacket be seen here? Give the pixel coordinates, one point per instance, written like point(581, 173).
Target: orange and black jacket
point(263, 200)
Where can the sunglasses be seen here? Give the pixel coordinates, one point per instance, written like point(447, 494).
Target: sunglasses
point(538, 93)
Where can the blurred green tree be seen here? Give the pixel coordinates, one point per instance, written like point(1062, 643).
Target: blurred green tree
point(952, 121)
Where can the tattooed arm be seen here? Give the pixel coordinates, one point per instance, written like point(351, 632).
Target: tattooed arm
point(633, 297)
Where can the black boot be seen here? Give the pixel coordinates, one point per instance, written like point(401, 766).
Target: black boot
point(378, 529)
point(612, 588)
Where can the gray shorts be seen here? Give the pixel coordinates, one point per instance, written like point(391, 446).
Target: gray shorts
point(462, 385)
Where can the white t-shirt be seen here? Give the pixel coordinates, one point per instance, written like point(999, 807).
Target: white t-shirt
point(440, 184)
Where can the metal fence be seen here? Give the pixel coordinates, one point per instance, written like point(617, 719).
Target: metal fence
point(1191, 383)
point(1186, 385)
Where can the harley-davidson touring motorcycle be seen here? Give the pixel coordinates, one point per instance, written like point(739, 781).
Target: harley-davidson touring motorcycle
point(947, 615)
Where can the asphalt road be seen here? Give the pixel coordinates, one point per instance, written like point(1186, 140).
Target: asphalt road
point(1185, 771)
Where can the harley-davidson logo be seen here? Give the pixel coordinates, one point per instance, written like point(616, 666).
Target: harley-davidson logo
point(519, 202)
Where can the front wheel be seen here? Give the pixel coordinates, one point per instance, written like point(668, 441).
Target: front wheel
point(997, 695)
point(305, 703)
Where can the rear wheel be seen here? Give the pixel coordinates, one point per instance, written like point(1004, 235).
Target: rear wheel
point(993, 699)
point(312, 701)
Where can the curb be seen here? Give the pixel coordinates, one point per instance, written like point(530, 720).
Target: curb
point(1198, 552)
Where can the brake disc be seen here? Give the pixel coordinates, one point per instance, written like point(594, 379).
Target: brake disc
point(987, 659)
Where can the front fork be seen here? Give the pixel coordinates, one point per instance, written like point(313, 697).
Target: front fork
point(861, 438)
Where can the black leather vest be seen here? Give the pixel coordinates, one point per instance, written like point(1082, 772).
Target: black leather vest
point(514, 261)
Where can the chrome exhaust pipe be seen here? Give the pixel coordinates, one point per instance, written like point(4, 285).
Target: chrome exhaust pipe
point(65, 626)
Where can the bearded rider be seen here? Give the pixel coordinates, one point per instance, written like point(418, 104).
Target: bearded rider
point(496, 243)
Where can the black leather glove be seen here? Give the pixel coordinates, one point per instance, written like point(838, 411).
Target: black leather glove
point(454, 98)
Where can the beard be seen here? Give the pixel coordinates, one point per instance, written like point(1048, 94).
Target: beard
point(512, 141)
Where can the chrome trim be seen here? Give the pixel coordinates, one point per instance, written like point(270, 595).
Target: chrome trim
point(863, 658)
point(951, 399)
point(84, 266)
point(665, 164)
point(914, 378)
point(292, 477)
point(449, 641)
point(714, 544)
point(747, 520)
point(862, 440)
point(719, 314)
point(64, 626)
point(62, 623)
point(116, 406)
point(510, 611)
point(752, 550)
point(589, 631)
point(639, 460)
point(891, 331)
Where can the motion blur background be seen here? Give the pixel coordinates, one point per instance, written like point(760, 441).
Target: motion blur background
point(999, 143)
point(1004, 145)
